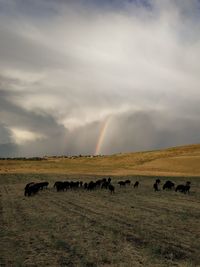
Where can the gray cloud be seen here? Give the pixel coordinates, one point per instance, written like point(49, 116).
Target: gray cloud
point(138, 131)
point(68, 65)
point(5, 135)
point(149, 130)
point(39, 123)
point(7, 147)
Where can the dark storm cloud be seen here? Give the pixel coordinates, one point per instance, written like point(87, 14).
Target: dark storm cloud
point(151, 130)
point(147, 131)
point(9, 150)
point(68, 65)
point(47, 136)
point(7, 146)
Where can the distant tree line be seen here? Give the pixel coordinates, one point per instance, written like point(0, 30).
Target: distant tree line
point(50, 157)
point(23, 158)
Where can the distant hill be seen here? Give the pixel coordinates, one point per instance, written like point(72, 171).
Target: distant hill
point(176, 161)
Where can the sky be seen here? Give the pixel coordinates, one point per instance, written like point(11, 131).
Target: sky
point(98, 77)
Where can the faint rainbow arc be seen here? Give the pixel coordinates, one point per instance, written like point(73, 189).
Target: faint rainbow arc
point(102, 135)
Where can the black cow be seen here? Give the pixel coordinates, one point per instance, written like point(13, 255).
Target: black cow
point(180, 188)
point(91, 186)
point(122, 183)
point(168, 185)
point(158, 181)
point(73, 185)
point(26, 188)
point(32, 189)
point(187, 187)
point(183, 188)
point(128, 182)
point(111, 188)
point(43, 185)
point(155, 186)
point(55, 184)
point(136, 184)
point(60, 186)
point(105, 185)
point(85, 185)
point(66, 185)
point(98, 183)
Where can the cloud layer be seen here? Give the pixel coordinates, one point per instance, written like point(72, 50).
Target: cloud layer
point(66, 67)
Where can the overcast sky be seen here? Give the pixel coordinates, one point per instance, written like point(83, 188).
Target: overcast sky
point(68, 68)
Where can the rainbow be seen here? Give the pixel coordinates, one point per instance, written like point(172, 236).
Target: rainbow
point(102, 135)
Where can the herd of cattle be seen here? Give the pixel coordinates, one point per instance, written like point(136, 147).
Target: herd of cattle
point(183, 188)
point(33, 188)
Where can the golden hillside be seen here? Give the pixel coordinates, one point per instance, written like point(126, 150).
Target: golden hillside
point(178, 161)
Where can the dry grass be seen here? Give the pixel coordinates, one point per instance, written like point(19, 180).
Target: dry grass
point(179, 161)
point(79, 228)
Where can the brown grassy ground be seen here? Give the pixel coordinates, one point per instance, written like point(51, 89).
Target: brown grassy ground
point(179, 161)
point(79, 228)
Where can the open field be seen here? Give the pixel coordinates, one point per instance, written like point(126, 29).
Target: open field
point(80, 228)
point(178, 161)
point(133, 227)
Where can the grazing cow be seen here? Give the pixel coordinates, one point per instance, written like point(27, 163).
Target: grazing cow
point(136, 184)
point(98, 183)
point(73, 185)
point(183, 188)
point(26, 188)
point(105, 185)
point(91, 185)
point(168, 185)
point(32, 189)
point(85, 185)
point(77, 184)
point(122, 183)
point(158, 181)
point(180, 188)
point(55, 184)
point(60, 186)
point(66, 185)
point(155, 186)
point(43, 185)
point(103, 180)
point(27, 185)
point(128, 182)
point(111, 188)
point(187, 187)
